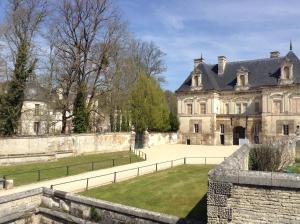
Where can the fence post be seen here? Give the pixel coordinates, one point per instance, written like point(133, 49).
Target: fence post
point(139, 153)
point(171, 163)
point(145, 156)
point(93, 166)
point(67, 170)
point(39, 175)
point(184, 160)
point(205, 161)
point(115, 177)
point(4, 178)
point(51, 187)
point(87, 184)
point(113, 161)
point(156, 167)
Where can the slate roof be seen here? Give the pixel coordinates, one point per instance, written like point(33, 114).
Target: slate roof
point(262, 72)
point(35, 92)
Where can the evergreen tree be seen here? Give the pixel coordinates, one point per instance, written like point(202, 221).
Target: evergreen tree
point(81, 116)
point(174, 122)
point(118, 121)
point(112, 121)
point(12, 101)
point(124, 122)
point(148, 106)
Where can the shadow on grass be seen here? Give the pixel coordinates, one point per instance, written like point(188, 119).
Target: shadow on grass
point(198, 215)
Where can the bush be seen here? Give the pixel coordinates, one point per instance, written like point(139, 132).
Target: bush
point(272, 156)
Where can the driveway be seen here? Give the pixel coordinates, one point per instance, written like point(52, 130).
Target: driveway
point(156, 154)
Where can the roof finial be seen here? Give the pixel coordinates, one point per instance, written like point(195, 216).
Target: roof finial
point(291, 45)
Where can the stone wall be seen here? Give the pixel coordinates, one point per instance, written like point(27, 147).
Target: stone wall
point(162, 138)
point(237, 195)
point(47, 206)
point(28, 149)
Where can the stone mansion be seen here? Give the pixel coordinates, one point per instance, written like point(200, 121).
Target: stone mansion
point(243, 101)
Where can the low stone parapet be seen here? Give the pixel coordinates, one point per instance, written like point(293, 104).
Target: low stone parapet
point(237, 195)
point(44, 205)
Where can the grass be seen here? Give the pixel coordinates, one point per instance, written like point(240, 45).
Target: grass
point(295, 168)
point(180, 191)
point(57, 168)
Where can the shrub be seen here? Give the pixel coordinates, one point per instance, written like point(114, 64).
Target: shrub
point(272, 156)
point(95, 215)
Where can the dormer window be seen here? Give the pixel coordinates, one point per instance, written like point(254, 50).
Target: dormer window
point(286, 72)
point(286, 76)
point(197, 80)
point(242, 79)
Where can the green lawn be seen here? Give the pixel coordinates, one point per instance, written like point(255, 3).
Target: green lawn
point(56, 169)
point(180, 191)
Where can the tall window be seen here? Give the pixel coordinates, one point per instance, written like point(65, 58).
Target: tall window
point(226, 108)
point(196, 128)
point(36, 127)
point(203, 108)
point(238, 108)
point(256, 107)
point(36, 109)
point(189, 108)
point(285, 129)
point(245, 107)
point(222, 128)
point(277, 106)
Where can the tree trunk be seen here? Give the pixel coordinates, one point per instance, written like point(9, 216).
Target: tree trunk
point(64, 122)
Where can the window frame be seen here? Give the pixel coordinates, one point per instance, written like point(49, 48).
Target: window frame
point(37, 109)
point(222, 128)
point(196, 128)
point(285, 129)
point(189, 106)
point(202, 106)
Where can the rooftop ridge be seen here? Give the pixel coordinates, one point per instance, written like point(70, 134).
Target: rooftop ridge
point(249, 60)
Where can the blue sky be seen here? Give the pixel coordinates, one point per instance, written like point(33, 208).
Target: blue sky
point(240, 30)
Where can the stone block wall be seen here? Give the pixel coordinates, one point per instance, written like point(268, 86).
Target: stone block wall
point(237, 195)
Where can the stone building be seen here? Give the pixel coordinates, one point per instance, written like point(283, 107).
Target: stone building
point(242, 101)
point(41, 114)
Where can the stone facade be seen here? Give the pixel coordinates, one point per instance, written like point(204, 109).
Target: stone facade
point(236, 195)
point(251, 101)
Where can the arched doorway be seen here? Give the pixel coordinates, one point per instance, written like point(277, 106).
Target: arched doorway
point(238, 133)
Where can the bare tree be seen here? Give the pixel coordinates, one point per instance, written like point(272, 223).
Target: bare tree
point(148, 58)
point(21, 25)
point(87, 36)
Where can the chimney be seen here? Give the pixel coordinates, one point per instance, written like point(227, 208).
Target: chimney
point(221, 65)
point(274, 54)
point(198, 61)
